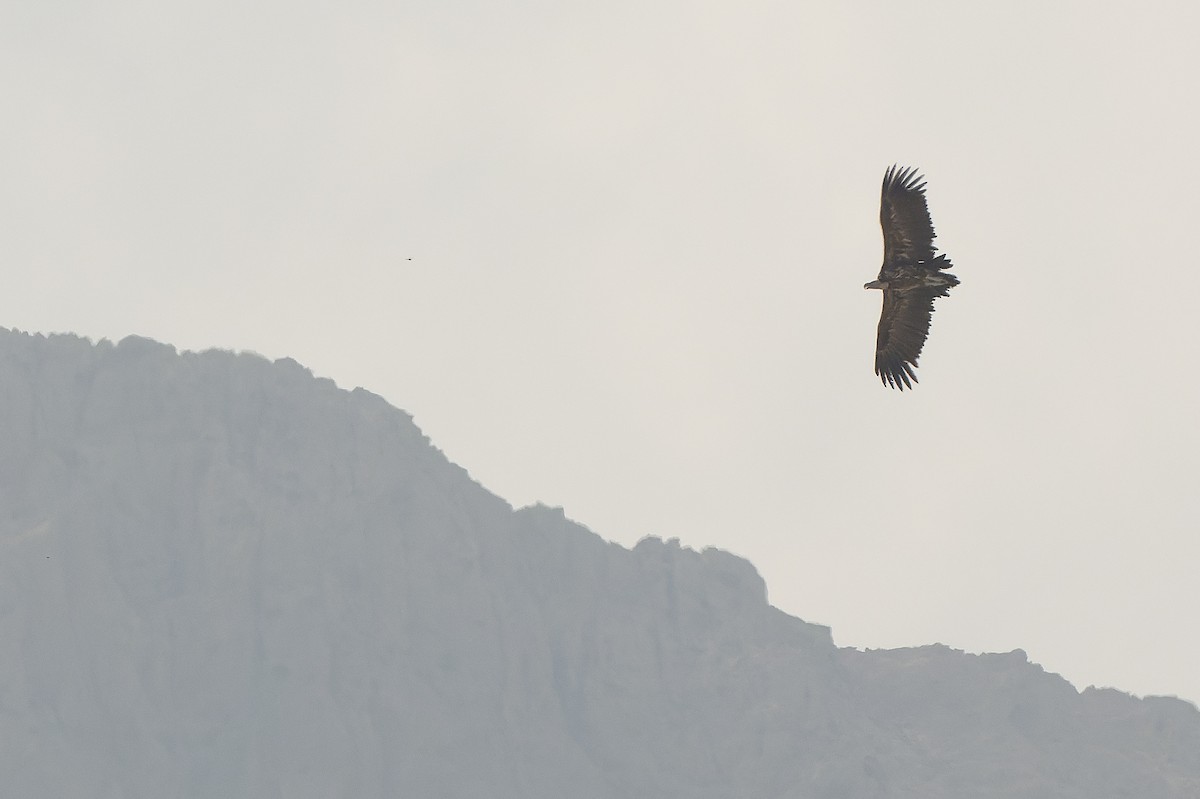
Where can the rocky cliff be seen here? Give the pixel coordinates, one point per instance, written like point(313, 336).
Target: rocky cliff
point(221, 576)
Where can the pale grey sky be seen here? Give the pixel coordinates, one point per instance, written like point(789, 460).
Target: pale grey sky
point(639, 233)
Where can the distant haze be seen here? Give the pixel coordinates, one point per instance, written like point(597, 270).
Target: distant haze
point(222, 577)
point(638, 235)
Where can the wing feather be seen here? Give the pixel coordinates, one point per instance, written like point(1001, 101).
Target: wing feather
point(904, 215)
point(903, 328)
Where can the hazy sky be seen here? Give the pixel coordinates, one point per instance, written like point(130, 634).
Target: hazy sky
point(638, 235)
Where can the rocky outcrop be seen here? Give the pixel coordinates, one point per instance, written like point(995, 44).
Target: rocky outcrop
point(221, 576)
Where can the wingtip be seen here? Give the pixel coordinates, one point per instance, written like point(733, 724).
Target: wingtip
point(901, 377)
point(907, 178)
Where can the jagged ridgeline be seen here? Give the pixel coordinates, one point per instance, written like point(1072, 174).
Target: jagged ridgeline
point(221, 576)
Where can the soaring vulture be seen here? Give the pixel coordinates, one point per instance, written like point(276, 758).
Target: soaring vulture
point(912, 277)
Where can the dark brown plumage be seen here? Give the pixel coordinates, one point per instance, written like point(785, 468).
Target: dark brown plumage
point(912, 277)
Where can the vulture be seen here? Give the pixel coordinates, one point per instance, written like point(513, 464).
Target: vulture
point(912, 277)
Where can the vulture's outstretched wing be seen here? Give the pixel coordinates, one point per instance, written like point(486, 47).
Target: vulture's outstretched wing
point(907, 229)
point(903, 328)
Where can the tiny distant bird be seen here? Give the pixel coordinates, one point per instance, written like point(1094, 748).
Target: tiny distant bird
point(912, 277)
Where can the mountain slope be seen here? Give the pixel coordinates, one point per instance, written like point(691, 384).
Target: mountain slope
point(221, 576)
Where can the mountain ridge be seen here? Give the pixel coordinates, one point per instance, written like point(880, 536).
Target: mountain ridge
point(221, 575)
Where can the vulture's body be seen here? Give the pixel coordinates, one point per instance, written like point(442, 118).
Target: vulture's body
point(912, 277)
